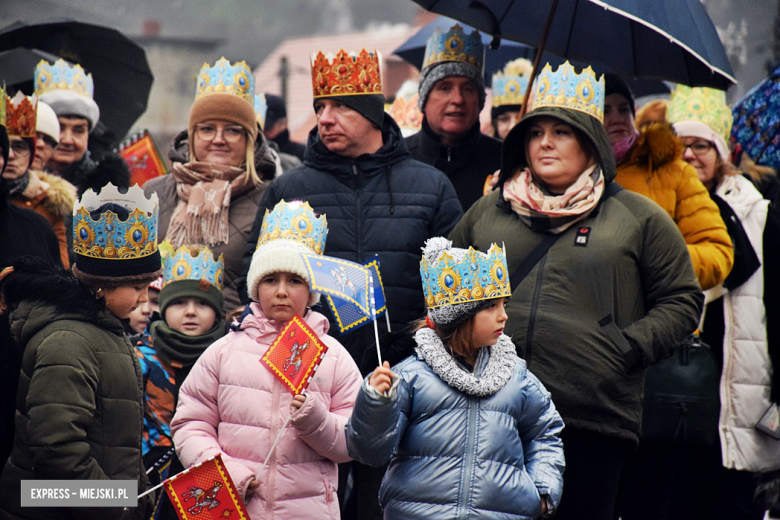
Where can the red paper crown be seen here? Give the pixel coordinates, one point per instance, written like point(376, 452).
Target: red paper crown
point(20, 114)
point(345, 75)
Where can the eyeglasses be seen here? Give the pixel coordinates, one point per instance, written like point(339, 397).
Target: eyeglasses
point(698, 147)
point(20, 147)
point(231, 134)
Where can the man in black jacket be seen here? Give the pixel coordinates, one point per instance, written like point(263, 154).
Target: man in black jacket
point(451, 95)
point(378, 201)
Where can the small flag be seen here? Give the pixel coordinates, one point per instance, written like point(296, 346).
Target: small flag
point(206, 492)
point(142, 157)
point(295, 355)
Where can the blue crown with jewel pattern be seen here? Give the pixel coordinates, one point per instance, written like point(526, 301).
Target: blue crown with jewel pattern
point(224, 78)
point(566, 89)
point(455, 45)
point(479, 276)
point(508, 89)
point(297, 222)
point(182, 264)
point(261, 109)
point(62, 76)
point(110, 237)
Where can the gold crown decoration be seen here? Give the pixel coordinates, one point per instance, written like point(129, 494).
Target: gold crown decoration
point(297, 222)
point(566, 89)
point(454, 45)
point(62, 76)
point(226, 78)
point(478, 276)
point(20, 114)
point(406, 113)
point(182, 264)
point(346, 74)
point(509, 85)
point(703, 104)
point(2, 105)
point(109, 237)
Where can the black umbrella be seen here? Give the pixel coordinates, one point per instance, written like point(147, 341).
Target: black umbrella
point(118, 65)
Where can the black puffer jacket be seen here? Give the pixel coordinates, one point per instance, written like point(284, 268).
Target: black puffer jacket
point(384, 203)
point(80, 403)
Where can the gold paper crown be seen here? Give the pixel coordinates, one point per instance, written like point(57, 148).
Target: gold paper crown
point(702, 104)
point(346, 74)
point(454, 45)
point(297, 222)
point(224, 78)
point(566, 89)
point(406, 113)
point(20, 114)
point(62, 76)
point(509, 86)
point(2, 106)
point(182, 264)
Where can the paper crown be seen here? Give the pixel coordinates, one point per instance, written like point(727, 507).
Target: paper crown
point(261, 109)
point(62, 76)
point(509, 85)
point(183, 265)
point(109, 237)
point(479, 276)
point(224, 78)
point(20, 114)
point(2, 106)
point(566, 89)
point(346, 74)
point(406, 113)
point(454, 45)
point(703, 104)
point(297, 222)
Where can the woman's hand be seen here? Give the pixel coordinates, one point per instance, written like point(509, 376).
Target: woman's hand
point(381, 378)
point(252, 487)
point(296, 403)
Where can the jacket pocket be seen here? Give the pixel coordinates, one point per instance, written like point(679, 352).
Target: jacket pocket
point(631, 354)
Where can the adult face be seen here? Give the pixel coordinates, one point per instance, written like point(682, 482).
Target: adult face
point(344, 131)
point(74, 137)
point(452, 108)
point(489, 323)
point(702, 155)
point(282, 296)
point(618, 117)
point(18, 158)
point(219, 142)
point(505, 122)
point(555, 155)
point(122, 301)
point(44, 148)
point(190, 316)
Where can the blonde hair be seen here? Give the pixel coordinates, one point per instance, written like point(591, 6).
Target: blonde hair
point(249, 156)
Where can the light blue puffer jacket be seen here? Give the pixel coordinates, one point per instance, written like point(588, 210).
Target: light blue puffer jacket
point(460, 445)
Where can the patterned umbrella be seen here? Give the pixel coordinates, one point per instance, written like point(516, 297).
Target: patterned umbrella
point(757, 121)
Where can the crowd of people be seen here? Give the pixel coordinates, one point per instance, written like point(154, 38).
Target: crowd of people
point(530, 280)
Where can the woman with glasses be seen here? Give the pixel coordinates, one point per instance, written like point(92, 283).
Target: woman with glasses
point(212, 194)
point(739, 324)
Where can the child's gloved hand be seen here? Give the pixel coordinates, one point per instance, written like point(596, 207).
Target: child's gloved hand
point(382, 378)
point(296, 403)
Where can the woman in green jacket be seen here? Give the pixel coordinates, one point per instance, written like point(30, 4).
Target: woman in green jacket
point(614, 292)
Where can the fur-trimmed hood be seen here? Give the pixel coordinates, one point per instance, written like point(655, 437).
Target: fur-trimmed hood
point(55, 193)
point(655, 146)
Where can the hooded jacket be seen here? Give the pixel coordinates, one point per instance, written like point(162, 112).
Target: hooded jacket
point(232, 405)
point(80, 402)
point(655, 169)
point(588, 318)
point(384, 203)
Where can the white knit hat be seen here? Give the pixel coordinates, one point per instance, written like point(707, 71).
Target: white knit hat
point(46, 121)
point(278, 256)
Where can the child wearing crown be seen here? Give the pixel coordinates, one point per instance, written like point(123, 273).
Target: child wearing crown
point(466, 428)
point(232, 405)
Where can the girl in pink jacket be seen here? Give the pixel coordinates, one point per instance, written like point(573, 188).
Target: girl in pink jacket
point(231, 404)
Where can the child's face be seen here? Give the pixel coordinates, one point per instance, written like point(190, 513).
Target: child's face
point(190, 316)
point(122, 301)
point(489, 323)
point(282, 296)
point(138, 318)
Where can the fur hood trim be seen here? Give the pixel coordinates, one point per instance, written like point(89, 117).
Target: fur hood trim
point(57, 195)
point(656, 146)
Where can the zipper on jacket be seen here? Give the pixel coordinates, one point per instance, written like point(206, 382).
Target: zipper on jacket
point(529, 337)
point(270, 498)
point(449, 154)
point(725, 393)
point(359, 216)
point(468, 460)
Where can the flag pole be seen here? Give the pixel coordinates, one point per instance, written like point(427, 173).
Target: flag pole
point(161, 484)
point(278, 438)
point(162, 460)
point(373, 315)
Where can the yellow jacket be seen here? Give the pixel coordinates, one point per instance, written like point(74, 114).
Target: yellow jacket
point(655, 168)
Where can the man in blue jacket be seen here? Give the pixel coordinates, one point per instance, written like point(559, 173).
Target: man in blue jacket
point(378, 200)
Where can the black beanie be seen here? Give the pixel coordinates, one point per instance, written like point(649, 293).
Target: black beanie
point(614, 84)
point(191, 289)
point(370, 106)
point(276, 109)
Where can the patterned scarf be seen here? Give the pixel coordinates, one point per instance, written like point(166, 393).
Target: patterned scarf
point(553, 214)
point(621, 148)
point(204, 191)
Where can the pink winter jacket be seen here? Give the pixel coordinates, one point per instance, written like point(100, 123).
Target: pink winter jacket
point(231, 404)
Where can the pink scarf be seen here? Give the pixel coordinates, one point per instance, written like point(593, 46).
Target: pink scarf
point(622, 147)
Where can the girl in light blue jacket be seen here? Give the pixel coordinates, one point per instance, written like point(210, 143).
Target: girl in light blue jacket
point(468, 431)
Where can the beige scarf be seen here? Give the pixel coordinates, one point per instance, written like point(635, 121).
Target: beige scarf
point(204, 190)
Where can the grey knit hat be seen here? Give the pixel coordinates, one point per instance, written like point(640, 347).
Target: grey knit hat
point(437, 72)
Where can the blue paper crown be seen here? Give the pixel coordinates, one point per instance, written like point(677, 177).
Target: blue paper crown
point(295, 221)
point(454, 45)
point(478, 276)
point(566, 89)
point(109, 237)
point(183, 265)
point(224, 78)
point(508, 89)
point(62, 76)
point(261, 109)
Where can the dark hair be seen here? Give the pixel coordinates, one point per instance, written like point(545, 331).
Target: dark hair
point(457, 339)
point(614, 84)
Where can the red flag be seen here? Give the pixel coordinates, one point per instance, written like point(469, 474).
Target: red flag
point(142, 157)
point(295, 355)
point(206, 492)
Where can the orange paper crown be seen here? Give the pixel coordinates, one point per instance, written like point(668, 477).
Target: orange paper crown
point(346, 74)
point(20, 114)
point(295, 355)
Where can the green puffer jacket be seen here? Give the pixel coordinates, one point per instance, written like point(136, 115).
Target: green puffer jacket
point(79, 409)
point(588, 318)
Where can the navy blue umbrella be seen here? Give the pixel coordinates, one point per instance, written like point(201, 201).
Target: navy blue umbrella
point(672, 40)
